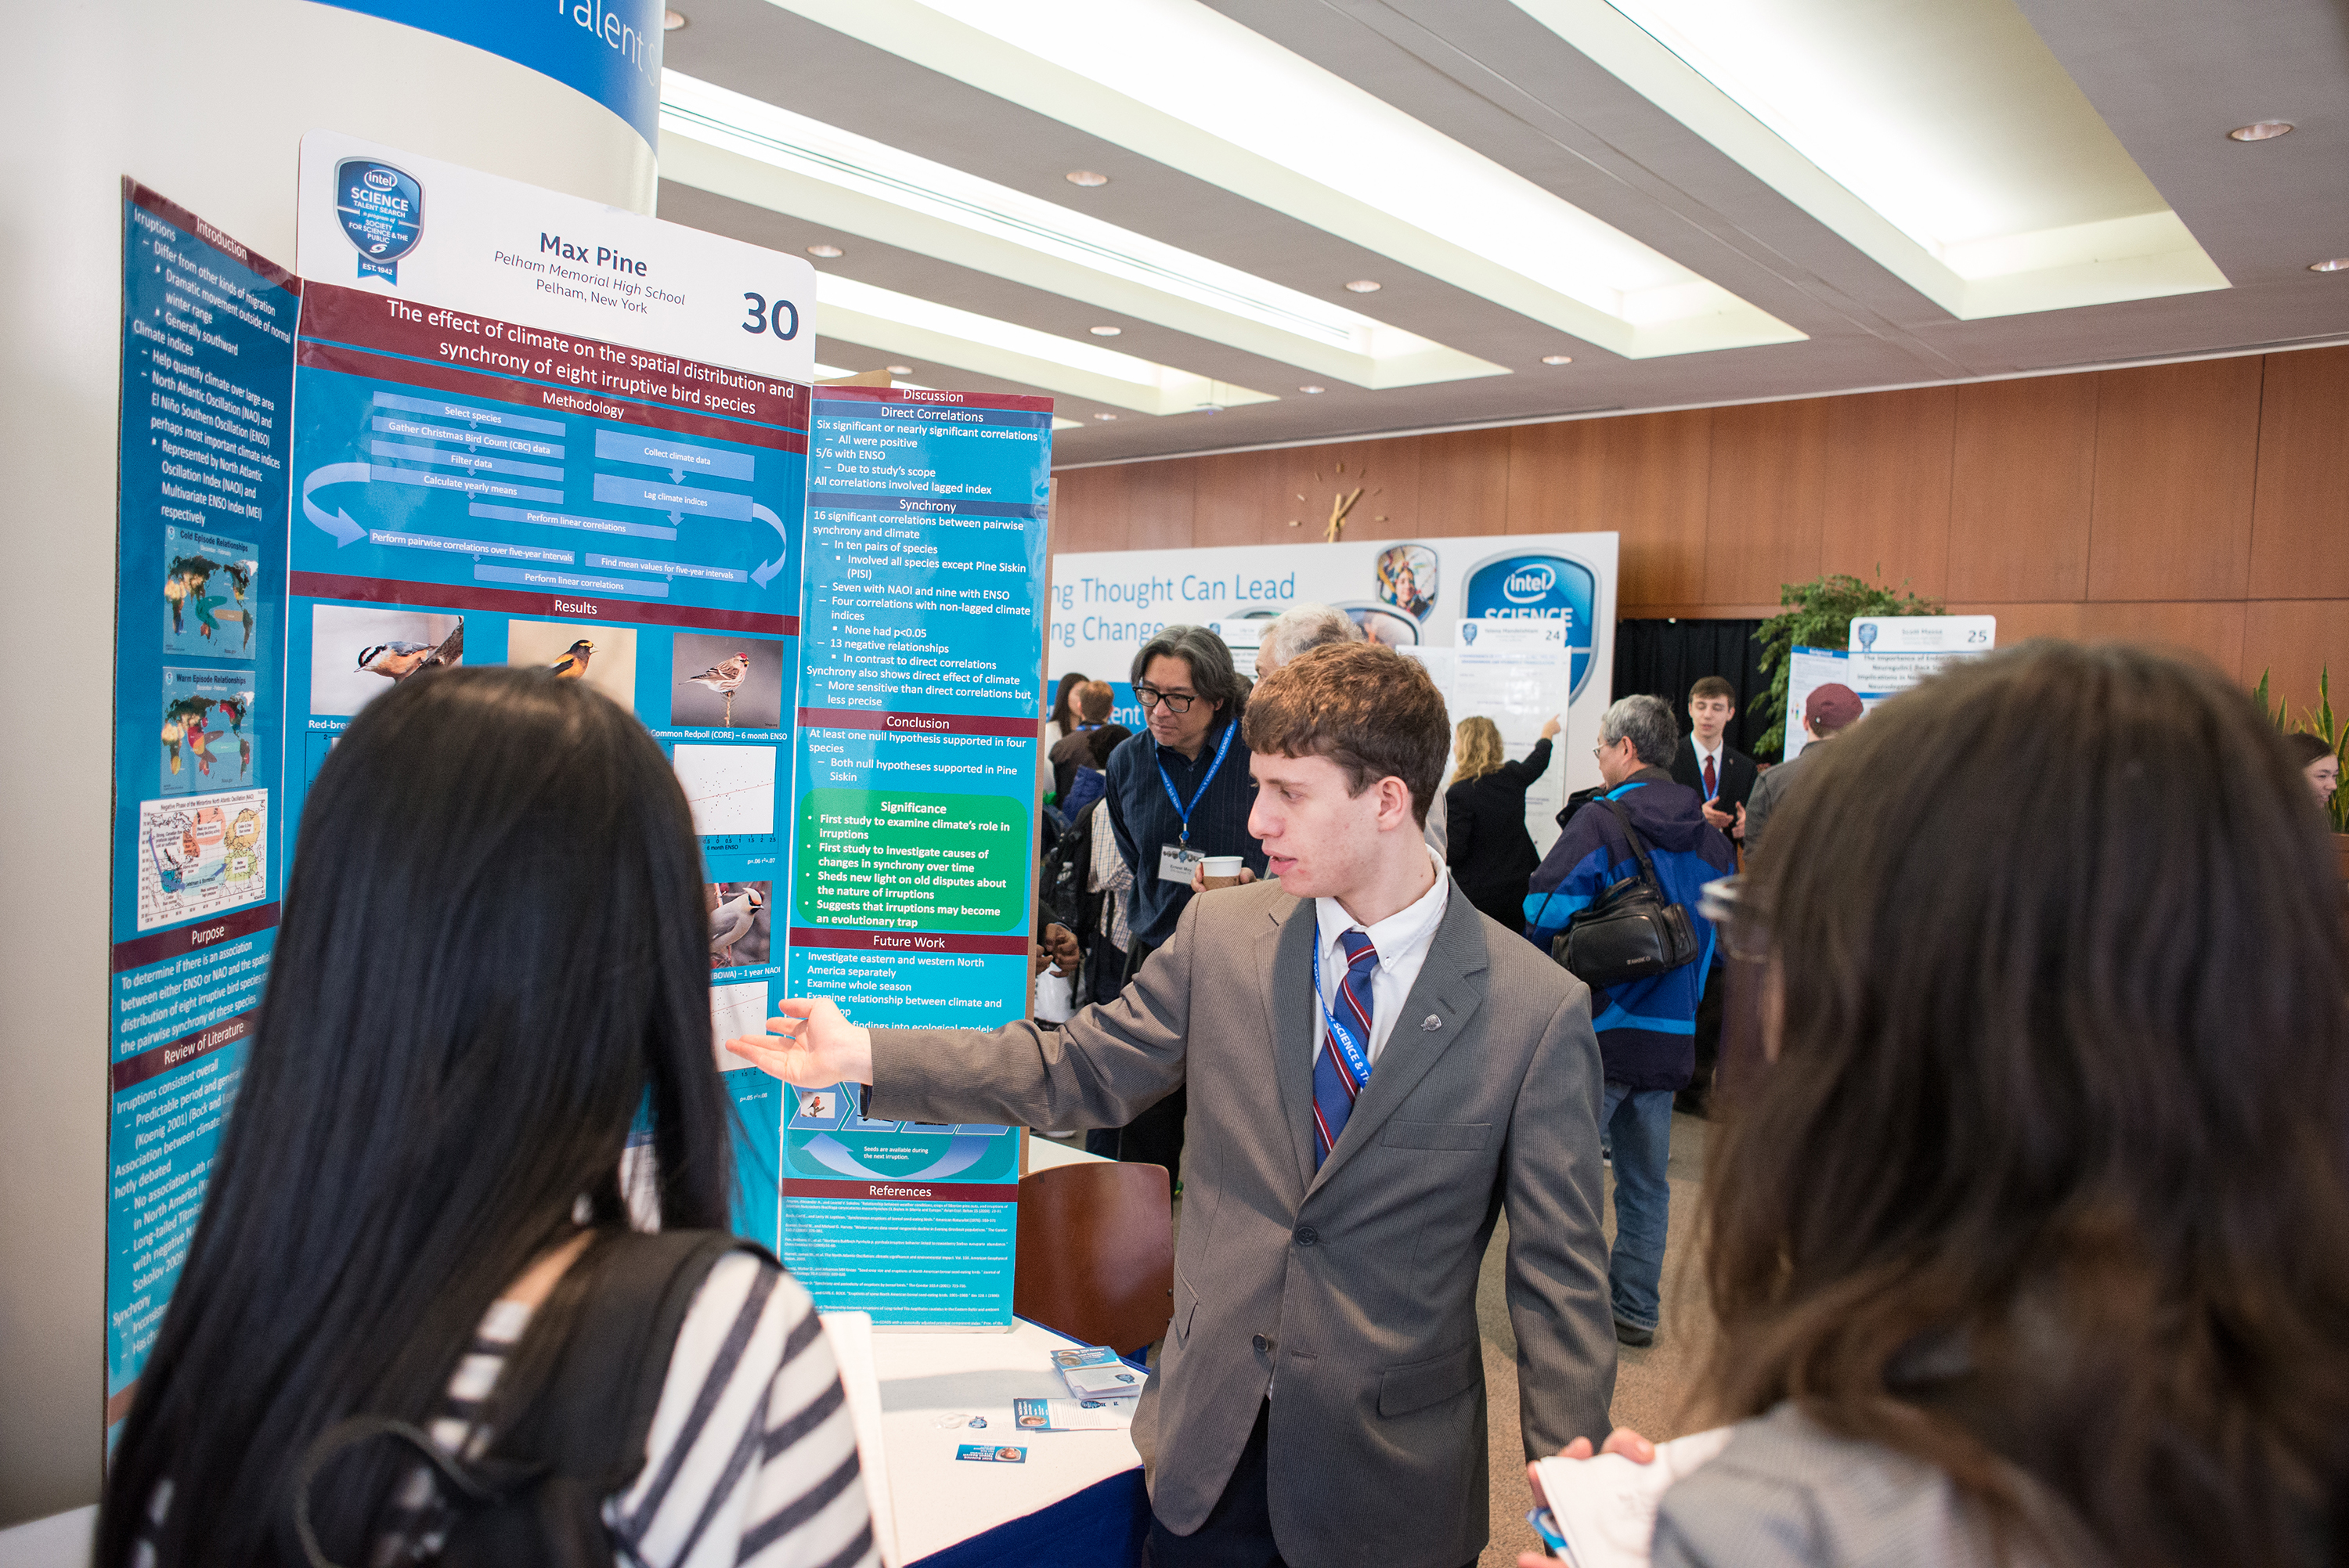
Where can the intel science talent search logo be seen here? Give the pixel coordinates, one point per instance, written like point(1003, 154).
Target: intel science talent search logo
point(382, 214)
point(1544, 588)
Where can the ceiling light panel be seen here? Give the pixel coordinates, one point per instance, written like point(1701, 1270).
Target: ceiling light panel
point(1183, 85)
point(1939, 137)
point(923, 329)
point(753, 152)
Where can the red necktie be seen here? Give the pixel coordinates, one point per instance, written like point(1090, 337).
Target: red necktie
point(1710, 787)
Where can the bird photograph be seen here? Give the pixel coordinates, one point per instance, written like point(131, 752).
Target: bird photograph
point(737, 935)
point(574, 662)
point(725, 679)
point(396, 661)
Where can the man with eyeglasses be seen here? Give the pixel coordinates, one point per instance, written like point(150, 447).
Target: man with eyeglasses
point(1178, 792)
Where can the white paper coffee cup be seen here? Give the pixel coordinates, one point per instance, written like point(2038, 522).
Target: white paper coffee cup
point(1223, 870)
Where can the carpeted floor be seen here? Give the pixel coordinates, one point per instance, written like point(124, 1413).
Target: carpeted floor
point(1651, 1386)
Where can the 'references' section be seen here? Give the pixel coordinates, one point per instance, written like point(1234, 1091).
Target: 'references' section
point(912, 824)
point(207, 384)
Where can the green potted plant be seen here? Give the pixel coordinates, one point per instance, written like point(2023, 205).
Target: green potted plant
point(2319, 721)
point(1818, 614)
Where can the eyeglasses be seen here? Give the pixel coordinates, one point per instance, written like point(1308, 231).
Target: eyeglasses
point(1177, 702)
point(1744, 929)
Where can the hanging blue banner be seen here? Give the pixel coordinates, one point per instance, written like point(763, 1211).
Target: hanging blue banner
point(608, 49)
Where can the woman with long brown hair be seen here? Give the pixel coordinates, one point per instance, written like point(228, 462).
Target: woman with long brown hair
point(2031, 1239)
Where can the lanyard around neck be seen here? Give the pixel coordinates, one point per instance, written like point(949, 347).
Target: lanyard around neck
point(1199, 794)
point(1356, 1050)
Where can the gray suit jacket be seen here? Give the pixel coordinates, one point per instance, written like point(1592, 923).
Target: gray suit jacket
point(1357, 1283)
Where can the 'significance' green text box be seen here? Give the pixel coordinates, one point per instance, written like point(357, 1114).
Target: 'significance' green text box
point(896, 861)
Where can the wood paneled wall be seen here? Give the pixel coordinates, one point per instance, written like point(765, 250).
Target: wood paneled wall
point(2205, 505)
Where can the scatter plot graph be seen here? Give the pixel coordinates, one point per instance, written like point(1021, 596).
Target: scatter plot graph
point(735, 1011)
point(732, 788)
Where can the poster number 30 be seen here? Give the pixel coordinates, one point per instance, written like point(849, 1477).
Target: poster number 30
point(762, 319)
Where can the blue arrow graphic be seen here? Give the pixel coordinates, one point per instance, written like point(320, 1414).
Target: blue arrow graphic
point(766, 570)
point(339, 523)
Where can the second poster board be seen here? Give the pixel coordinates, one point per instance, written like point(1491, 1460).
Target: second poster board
point(1416, 594)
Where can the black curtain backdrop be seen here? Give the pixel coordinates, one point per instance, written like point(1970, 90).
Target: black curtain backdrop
point(1664, 658)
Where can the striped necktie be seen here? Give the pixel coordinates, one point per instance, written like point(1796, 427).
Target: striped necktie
point(1337, 1081)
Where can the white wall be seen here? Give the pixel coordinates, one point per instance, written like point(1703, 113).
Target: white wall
point(206, 104)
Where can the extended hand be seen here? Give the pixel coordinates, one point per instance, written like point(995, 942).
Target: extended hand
point(1552, 727)
point(817, 1047)
point(1718, 818)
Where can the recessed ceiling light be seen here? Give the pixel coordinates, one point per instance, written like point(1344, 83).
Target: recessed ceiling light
point(1362, 285)
point(899, 369)
point(1086, 178)
point(672, 20)
point(1557, 359)
point(825, 252)
point(2337, 264)
point(1105, 331)
point(1313, 390)
point(1104, 416)
point(2260, 130)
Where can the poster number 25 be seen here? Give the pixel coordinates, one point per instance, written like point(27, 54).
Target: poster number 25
point(762, 319)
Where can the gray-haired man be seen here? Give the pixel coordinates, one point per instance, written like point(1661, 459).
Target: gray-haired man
point(1647, 1028)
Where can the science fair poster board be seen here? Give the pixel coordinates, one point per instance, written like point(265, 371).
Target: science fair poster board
point(913, 827)
point(1462, 607)
point(200, 637)
point(1887, 655)
point(534, 430)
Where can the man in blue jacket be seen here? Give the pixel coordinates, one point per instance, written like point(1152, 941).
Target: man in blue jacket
point(1647, 1028)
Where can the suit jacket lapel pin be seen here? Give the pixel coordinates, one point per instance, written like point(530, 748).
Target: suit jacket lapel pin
point(1431, 1023)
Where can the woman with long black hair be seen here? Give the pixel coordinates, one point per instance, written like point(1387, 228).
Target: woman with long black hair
point(493, 956)
point(2031, 1241)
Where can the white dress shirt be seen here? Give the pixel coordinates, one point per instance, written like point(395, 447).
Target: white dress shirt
point(1402, 940)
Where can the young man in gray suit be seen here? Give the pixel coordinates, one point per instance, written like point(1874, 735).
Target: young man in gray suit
point(1376, 1072)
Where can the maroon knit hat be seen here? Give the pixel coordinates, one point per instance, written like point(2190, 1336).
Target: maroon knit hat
point(1831, 707)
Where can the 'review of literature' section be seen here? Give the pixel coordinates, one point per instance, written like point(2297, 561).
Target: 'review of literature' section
point(532, 431)
point(913, 825)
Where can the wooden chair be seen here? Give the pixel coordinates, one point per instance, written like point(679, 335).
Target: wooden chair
point(1097, 1253)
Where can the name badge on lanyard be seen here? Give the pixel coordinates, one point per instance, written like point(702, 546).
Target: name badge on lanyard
point(1177, 861)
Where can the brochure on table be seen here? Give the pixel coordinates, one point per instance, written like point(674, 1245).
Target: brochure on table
point(494, 424)
point(1887, 655)
point(1460, 606)
point(913, 826)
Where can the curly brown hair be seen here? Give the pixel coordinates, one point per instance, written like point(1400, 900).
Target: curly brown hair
point(2049, 1179)
point(1364, 707)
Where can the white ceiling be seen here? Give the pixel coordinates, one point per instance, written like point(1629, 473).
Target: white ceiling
point(1210, 245)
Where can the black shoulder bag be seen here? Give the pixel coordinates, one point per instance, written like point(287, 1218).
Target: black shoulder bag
point(1631, 930)
point(576, 1434)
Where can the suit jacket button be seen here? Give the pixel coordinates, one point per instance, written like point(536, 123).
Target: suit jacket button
point(1263, 1346)
point(1307, 1235)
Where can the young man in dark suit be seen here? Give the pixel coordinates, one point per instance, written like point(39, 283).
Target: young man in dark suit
point(1721, 775)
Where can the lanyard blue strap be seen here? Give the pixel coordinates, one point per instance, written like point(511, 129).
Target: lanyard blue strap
point(1199, 794)
point(1356, 1050)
